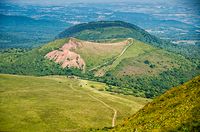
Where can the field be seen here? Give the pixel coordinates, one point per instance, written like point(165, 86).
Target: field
point(58, 103)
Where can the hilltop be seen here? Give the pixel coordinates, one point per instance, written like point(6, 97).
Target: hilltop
point(175, 110)
point(101, 30)
point(128, 65)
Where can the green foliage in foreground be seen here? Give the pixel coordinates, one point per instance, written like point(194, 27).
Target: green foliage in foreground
point(175, 111)
point(57, 103)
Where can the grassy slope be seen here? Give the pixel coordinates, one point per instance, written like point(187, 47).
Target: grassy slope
point(176, 110)
point(34, 63)
point(56, 103)
point(147, 71)
point(128, 71)
point(132, 62)
point(95, 54)
point(133, 51)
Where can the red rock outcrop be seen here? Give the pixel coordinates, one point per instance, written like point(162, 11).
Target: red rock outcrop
point(66, 57)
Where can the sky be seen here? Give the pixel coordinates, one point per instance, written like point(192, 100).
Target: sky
point(60, 2)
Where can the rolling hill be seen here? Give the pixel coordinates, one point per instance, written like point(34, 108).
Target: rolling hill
point(101, 30)
point(94, 31)
point(175, 110)
point(127, 65)
point(58, 103)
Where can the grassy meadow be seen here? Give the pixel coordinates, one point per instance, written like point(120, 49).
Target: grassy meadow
point(57, 103)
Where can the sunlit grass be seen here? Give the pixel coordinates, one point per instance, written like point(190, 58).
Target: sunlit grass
point(59, 104)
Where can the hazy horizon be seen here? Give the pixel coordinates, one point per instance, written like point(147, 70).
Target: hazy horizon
point(61, 2)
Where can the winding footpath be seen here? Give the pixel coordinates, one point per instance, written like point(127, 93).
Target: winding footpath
point(102, 102)
point(95, 98)
point(108, 106)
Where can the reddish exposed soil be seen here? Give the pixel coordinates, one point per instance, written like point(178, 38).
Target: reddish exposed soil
point(66, 57)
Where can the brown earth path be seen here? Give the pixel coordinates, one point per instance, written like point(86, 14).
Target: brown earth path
point(102, 102)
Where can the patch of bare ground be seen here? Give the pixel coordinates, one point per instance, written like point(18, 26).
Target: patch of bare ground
point(66, 57)
point(76, 53)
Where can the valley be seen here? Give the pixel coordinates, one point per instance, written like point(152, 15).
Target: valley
point(99, 66)
point(58, 103)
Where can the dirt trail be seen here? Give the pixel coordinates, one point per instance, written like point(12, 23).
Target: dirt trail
point(102, 102)
point(108, 106)
point(126, 48)
point(123, 51)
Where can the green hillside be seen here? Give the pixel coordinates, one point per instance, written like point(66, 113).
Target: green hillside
point(126, 64)
point(96, 54)
point(101, 30)
point(32, 62)
point(141, 58)
point(58, 103)
point(144, 70)
point(94, 31)
point(175, 111)
point(145, 66)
